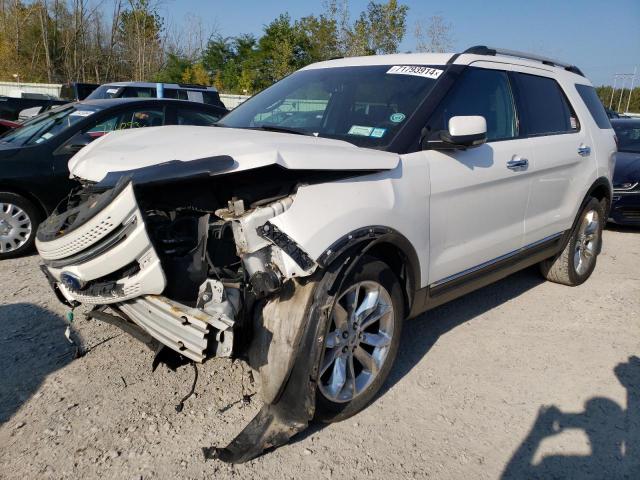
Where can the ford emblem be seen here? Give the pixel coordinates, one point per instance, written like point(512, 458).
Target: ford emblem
point(71, 281)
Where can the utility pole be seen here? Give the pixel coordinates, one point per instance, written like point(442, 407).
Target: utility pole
point(633, 79)
point(623, 77)
point(624, 80)
point(613, 90)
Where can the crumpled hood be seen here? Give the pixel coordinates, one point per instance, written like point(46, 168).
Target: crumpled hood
point(627, 168)
point(137, 148)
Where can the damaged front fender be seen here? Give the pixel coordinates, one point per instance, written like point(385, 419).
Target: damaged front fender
point(289, 406)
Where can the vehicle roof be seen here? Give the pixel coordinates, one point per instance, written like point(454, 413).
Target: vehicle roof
point(111, 102)
point(444, 59)
point(154, 84)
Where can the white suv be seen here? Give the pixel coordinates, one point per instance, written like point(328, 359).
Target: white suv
point(326, 210)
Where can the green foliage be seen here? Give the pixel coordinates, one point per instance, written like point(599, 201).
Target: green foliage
point(65, 40)
point(174, 68)
point(620, 98)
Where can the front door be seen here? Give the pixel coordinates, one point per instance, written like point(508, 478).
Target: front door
point(479, 195)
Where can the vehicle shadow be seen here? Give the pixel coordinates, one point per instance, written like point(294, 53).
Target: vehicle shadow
point(32, 345)
point(613, 433)
point(421, 334)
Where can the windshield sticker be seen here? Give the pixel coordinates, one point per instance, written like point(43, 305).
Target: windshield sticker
point(47, 136)
point(360, 130)
point(81, 113)
point(418, 71)
point(378, 132)
point(397, 117)
point(112, 90)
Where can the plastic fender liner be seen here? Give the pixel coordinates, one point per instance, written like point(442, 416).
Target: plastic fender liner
point(291, 412)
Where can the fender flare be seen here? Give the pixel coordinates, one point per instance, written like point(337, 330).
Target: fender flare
point(601, 182)
point(365, 239)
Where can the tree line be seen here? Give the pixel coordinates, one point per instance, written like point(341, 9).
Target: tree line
point(59, 41)
point(619, 98)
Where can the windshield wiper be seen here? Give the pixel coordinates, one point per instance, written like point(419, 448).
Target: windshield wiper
point(274, 128)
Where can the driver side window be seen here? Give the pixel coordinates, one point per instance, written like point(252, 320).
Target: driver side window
point(129, 119)
point(479, 92)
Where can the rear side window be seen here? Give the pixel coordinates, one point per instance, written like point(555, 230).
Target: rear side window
point(139, 92)
point(177, 94)
point(212, 98)
point(543, 106)
point(593, 103)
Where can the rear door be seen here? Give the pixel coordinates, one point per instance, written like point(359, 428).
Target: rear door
point(560, 158)
point(478, 197)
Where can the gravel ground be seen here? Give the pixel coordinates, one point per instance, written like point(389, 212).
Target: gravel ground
point(522, 379)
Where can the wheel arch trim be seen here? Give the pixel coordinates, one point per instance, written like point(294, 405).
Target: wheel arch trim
point(366, 240)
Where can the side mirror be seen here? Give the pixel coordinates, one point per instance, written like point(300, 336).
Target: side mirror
point(74, 144)
point(464, 132)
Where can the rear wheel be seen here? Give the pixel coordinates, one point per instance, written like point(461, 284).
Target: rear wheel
point(19, 219)
point(575, 264)
point(361, 342)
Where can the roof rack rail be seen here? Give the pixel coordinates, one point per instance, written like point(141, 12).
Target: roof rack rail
point(484, 50)
point(191, 85)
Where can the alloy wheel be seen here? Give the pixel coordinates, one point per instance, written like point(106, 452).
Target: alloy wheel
point(587, 242)
point(358, 342)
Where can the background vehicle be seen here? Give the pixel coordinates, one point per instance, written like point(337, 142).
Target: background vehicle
point(33, 158)
point(625, 208)
point(6, 125)
point(178, 91)
point(10, 107)
point(76, 91)
point(330, 207)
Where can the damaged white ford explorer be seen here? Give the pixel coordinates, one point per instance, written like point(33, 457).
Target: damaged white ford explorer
point(301, 231)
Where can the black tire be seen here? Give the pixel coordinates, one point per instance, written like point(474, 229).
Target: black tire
point(34, 216)
point(564, 268)
point(369, 270)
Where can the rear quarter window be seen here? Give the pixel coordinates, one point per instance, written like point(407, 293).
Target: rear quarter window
point(544, 107)
point(594, 105)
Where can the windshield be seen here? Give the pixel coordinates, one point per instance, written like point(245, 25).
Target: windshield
point(628, 137)
point(47, 125)
point(365, 105)
point(105, 92)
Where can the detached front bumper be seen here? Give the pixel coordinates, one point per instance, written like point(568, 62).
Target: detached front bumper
point(100, 254)
point(107, 259)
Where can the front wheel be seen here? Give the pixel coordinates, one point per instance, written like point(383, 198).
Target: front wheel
point(361, 342)
point(575, 264)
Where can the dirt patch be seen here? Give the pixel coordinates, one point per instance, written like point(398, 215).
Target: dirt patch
point(521, 379)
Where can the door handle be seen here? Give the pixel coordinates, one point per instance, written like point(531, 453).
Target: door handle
point(518, 163)
point(584, 150)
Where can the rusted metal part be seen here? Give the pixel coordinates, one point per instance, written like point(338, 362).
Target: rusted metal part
point(184, 329)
